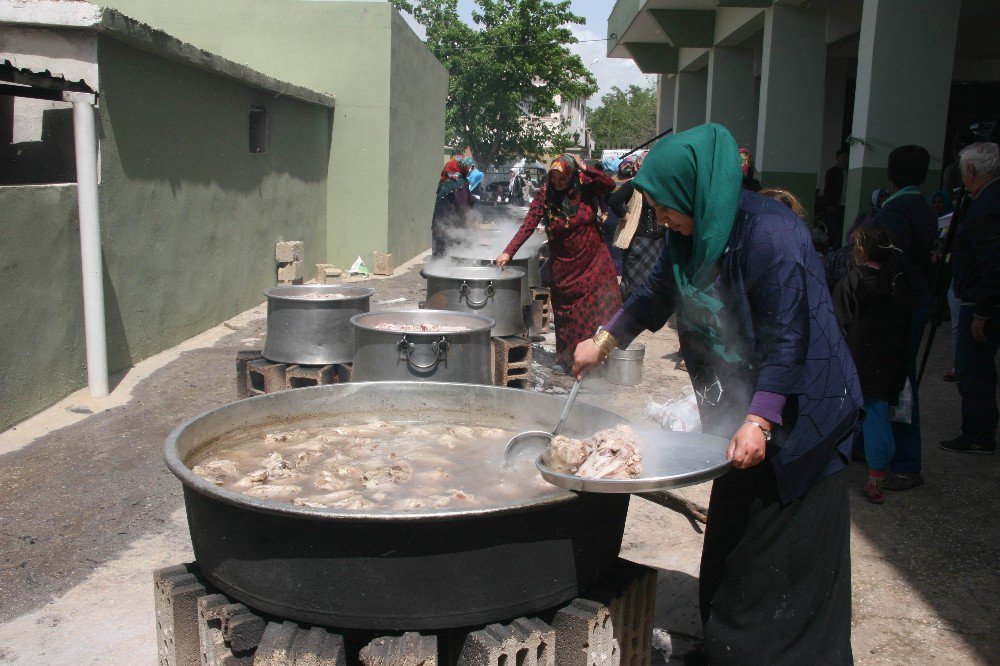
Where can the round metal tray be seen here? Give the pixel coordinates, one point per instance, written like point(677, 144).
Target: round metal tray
point(669, 460)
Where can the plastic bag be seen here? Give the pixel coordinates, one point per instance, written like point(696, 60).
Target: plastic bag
point(358, 267)
point(902, 412)
point(680, 415)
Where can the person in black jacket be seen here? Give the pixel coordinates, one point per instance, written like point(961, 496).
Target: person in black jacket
point(641, 239)
point(909, 217)
point(976, 283)
point(872, 307)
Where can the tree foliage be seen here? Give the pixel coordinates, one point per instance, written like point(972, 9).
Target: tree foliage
point(505, 71)
point(625, 119)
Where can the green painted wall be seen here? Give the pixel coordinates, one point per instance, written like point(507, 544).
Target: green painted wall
point(189, 218)
point(418, 88)
point(802, 185)
point(384, 126)
point(41, 299)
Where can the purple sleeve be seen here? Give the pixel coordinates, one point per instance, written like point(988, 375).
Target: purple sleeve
point(768, 406)
point(624, 327)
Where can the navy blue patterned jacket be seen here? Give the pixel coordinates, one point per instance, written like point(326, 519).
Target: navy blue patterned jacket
point(779, 316)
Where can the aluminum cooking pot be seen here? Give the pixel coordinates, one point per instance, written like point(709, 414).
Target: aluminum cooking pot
point(382, 353)
point(395, 570)
point(312, 331)
point(483, 290)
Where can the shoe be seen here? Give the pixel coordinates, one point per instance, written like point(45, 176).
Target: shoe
point(962, 445)
point(950, 376)
point(904, 481)
point(873, 493)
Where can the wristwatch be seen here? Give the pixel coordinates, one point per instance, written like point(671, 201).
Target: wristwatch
point(767, 433)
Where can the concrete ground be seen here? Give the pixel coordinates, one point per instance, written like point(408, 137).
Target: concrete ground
point(89, 510)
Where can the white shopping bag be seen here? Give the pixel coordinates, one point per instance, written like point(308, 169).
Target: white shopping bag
point(679, 415)
point(902, 412)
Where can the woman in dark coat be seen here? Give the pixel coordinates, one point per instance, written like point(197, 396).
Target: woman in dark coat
point(637, 232)
point(584, 284)
point(452, 205)
point(772, 373)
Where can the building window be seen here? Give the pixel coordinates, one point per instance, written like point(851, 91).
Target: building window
point(258, 129)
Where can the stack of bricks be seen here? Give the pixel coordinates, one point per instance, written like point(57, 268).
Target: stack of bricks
point(611, 626)
point(541, 309)
point(512, 362)
point(290, 256)
point(255, 375)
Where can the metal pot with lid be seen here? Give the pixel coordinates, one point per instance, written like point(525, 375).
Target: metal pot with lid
point(310, 324)
point(422, 345)
point(482, 290)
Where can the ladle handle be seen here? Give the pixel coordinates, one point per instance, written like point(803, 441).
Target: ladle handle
point(569, 406)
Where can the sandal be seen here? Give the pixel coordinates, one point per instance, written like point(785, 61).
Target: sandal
point(905, 481)
point(873, 493)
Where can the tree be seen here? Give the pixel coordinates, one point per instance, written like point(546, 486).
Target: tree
point(505, 72)
point(625, 119)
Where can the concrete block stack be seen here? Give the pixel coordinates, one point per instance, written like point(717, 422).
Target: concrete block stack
point(290, 256)
point(512, 361)
point(255, 375)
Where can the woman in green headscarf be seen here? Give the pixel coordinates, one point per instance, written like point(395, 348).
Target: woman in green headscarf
point(772, 374)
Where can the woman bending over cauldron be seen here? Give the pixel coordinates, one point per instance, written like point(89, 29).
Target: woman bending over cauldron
point(773, 374)
point(584, 284)
point(452, 206)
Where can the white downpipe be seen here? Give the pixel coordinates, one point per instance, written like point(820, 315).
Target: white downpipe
point(85, 139)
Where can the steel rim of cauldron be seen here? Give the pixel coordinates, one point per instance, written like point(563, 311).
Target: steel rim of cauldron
point(351, 293)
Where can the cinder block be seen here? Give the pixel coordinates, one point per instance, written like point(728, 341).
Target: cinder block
point(176, 591)
point(263, 376)
point(585, 635)
point(629, 593)
point(321, 270)
point(287, 644)
point(228, 633)
point(381, 263)
point(523, 642)
point(291, 273)
point(301, 376)
point(332, 275)
point(541, 309)
point(242, 359)
point(410, 649)
point(512, 361)
point(289, 251)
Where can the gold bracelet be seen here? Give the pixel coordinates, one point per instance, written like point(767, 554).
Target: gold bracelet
point(605, 342)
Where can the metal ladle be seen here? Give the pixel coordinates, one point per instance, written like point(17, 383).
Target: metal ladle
point(536, 441)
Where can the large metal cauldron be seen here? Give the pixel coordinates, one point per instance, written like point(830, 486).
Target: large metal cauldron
point(382, 355)
point(480, 290)
point(312, 331)
point(394, 570)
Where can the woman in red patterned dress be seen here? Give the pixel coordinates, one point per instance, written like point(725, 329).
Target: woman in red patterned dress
point(585, 290)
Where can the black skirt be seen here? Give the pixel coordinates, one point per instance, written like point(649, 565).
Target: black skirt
point(775, 581)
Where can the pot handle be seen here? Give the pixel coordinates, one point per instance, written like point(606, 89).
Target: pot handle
point(439, 352)
point(465, 290)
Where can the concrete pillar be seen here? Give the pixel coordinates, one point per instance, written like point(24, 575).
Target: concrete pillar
point(665, 88)
point(731, 89)
point(689, 100)
point(790, 119)
point(903, 88)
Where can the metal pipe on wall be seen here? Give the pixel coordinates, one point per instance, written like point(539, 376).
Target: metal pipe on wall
point(85, 141)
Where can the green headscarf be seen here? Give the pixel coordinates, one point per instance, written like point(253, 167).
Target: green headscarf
point(698, 173)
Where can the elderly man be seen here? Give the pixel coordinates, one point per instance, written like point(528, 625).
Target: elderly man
point(976, 270)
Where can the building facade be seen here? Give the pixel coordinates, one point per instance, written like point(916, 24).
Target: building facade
point(795, 81)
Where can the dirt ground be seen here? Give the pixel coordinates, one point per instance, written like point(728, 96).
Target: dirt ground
point(90, 509)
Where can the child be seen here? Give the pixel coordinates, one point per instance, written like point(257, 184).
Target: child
point(871, 303)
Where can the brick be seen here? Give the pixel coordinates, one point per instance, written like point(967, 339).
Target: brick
point(263, 376)
point(523, 642)
point(512, 361)
point(287, 644)
point(321, 270)
point(291, 273)
point(300, 376)
point(176, 591)
point(410, 649)
point(228, 633)
point(242, 359)
point(630, 596)
point(381, 263)
point(585, 635)
point(332, 275)
point(289, 251)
